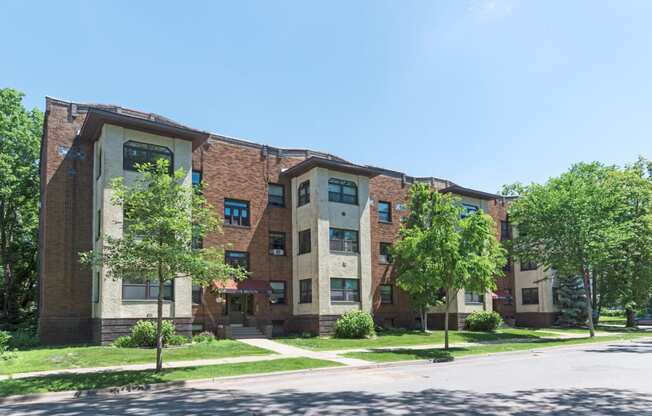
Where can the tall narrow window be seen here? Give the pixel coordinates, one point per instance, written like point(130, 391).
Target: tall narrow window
point(386, 294)
point(196, 180)
point(304, 241)
point(278, 293)
point(135, 153)
point(305, 291)
point(345, 241)
point(304, 193)
point(237, 258)
point(196, 294)
point(99, 162)
point(236, 212)
point(96, 287)
point(342, 191)
point(98, 233)
point(276, 195)
point(385, 256)
point(276, 244)
point(504, 230)
point(384, 211)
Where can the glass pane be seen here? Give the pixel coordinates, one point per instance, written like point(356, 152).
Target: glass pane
point(351, 284)
point(134, 291)
point(337, 284)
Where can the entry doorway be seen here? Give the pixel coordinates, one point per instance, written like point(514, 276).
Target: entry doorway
point(238, 306)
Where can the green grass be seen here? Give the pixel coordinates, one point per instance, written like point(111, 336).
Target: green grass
point(137, 379)
point(440, 354)
point(41, 359)
point(408, 338)
point(613, 320)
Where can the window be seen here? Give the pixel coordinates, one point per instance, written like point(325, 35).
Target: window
point(386, 294)
point(196, 241)
point(345, 241)
point(236, 212)
point(469, 209)
point(277, 244)
point(304, 241)
point(146, 291)
point(508, 265)
point(384, 211)
point(342, 191)
point(345, 290)
point(99, 163)
point(385, 253)
point(278, 293)
point(275, 195)
point(528, 265)
point(196, 180)
point(137, 153)
point(196, 294)
point(508, 297)
point(305, 291)
point(530, 296)
point(555, 296)
point(96, 287)
point(504, 230)
point(237, 258)
point(304, 193)
point(98, 232)
point(473, 297)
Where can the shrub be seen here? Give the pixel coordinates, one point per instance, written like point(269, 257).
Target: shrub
point(6, 352)
point(177, 340)
point(483, 321)
point(23, 338)
point(143, 334)
point(204, 336)
point(354, 324)
point(123, 342)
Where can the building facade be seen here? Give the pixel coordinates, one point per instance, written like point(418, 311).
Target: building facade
point(312, 229)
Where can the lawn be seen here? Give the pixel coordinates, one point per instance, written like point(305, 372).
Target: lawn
point(137, 379)
point(55, 358)
point(440, 354)
point(408, 338)
point(613, 320)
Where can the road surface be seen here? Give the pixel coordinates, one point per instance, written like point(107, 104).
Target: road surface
point(613, 379)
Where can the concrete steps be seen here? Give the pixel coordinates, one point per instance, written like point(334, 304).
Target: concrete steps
point(246, 332)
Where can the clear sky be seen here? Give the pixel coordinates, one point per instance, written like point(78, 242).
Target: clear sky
point(482, 92)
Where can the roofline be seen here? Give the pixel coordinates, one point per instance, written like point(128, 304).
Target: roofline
point(460, 190)
point(314, 161)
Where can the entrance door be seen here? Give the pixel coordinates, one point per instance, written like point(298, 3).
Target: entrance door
point(236, 309)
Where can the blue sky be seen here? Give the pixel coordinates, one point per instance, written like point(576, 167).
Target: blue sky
point(482, 92)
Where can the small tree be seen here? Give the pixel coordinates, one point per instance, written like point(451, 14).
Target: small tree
point(572, 302)
point(162, 215)
point(439, 248)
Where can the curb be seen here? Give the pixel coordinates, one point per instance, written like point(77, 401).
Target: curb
point(157, 387)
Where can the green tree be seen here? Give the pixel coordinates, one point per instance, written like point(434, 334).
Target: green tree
point(591, 221)
point(572, 302)
point(162, 216)
point(627, 270)
point(441, 250)
point(20, 133)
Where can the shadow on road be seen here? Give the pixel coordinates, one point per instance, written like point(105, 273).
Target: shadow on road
point(637, 347)
point(289, 402)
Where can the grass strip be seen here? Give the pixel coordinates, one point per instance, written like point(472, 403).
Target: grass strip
point(57, 358)
point(137, 379)
point(439, 354)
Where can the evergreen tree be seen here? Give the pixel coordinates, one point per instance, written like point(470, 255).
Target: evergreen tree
point(572, 302)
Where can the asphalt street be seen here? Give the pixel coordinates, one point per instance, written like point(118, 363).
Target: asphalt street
point(605, 379)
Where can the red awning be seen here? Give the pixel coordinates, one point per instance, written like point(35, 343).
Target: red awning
point(248, 286)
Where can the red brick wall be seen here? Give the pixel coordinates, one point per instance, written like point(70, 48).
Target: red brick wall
point(498, 210)
point(66, 228)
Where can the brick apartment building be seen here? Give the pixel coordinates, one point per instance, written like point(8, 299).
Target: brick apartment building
point(311, 228)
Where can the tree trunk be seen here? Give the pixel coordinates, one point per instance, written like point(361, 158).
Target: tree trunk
point(159, 324)
point(596, 304)
point(7, 290)
point(424, 318)
point(589, 306)
point(631, 318)
point(446, 319)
